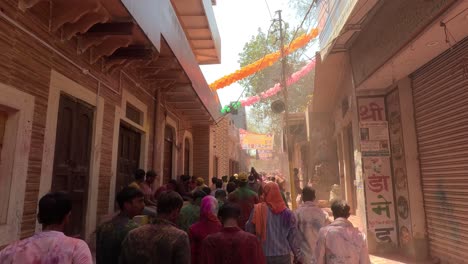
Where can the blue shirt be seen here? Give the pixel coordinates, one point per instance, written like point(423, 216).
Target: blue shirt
point(281, 234)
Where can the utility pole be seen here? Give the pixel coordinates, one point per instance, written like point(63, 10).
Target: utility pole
point(286, 113)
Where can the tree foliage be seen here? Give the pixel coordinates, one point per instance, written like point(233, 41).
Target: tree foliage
point(261, 119)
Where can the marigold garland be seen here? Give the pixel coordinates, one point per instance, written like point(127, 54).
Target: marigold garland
point(295, 77)
point(266, 61)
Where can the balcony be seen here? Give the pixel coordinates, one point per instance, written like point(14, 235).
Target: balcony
point(166, 29)
point(198, 21)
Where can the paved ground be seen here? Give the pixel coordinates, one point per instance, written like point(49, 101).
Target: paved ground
point(379, 260)
point(391, 259)
point(394, 259)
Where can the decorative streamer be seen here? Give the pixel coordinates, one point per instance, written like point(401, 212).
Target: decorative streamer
point(264, 62)
point(295, 77)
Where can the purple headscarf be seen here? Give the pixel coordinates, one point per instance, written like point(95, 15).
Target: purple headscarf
point(208, 209)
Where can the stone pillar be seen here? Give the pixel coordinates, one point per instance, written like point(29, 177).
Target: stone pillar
point(417, 247)
point(323, 161)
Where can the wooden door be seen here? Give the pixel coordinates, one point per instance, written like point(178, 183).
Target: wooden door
point(72, 158)
point(168, 151)
point(128, 159)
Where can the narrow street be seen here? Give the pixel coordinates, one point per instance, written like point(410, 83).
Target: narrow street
point(212, 131)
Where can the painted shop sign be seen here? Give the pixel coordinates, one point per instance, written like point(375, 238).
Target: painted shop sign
point(377, 172)
point(379, 199)
point(251, 140)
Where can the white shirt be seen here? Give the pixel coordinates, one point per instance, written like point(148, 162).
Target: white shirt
point(47, 247)
point(340, 243)
point(310, 218)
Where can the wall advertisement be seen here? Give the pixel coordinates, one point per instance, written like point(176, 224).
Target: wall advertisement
point(377, 173)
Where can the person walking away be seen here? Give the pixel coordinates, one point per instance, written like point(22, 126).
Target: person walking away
point(213, 183)
point(147, 187)
point(206, 190)
point(233, 178)
point(170, 186)
point(340, 242)
point(297, 184)
point(183, 186)
point(220, 195)
point(208, 224)
point(190, 213)
point(245, 198)
point(232, 244)
point(231, 187)
point(218, 186)
point(51, 245)
point(225, 181)
point(275, 226)
point(160, 242)
point(109, 235)
point(200, 184)
point(192, 183)
point(139, 179)
point(310, 218)
point(254, 185)
point(281, 184)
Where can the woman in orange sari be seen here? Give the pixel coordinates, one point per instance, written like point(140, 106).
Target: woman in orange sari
point(275, 226)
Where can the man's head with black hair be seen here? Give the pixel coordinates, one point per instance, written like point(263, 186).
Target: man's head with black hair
point(131, 201)
point(172, 185)
point(225, 178)
point(206, 190)
point(308, 194)
point(340, 208)
point(185, 178)
point(220, 195)
point(219, 184)
point(198, 196)
point(214, 180)
point(232, 178)
point(229, 212)
point(140, 175)
point(169, 204)
point(232, 186)
point(151, 176)
point(54, 210)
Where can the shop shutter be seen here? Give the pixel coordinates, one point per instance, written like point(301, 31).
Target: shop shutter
point(440, 94)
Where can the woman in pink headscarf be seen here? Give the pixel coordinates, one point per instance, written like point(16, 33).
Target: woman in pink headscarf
point(208, 224)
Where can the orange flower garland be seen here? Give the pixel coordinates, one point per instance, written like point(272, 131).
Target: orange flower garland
point(261, 64)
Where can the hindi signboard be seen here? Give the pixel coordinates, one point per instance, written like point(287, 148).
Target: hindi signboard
point(379, 199)
point(251, 140)
point(377, 172)
point(374, 138)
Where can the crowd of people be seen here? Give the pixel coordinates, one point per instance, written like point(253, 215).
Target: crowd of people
point(244, 218)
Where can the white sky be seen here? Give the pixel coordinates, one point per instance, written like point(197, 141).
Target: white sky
point(238, 21)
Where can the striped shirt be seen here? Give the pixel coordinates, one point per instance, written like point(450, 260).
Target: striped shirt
point(281, 234)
